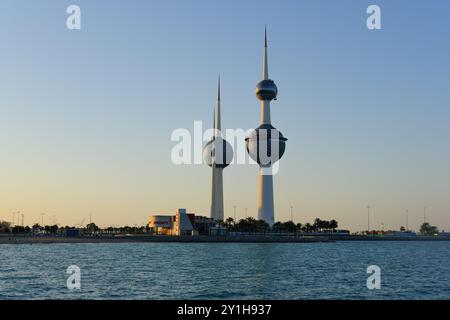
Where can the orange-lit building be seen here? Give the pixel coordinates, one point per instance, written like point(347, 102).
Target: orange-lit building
point(180, 224)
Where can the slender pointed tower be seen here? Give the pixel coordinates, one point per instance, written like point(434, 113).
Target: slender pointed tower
point(265, 144)
point(218, 154)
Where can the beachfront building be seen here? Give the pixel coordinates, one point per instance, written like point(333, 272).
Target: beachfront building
point(180, 224)
point(160, 224)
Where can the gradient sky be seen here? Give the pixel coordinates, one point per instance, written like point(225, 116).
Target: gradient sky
point(86, 116)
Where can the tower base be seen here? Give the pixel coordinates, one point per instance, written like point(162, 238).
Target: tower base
point(265, 196)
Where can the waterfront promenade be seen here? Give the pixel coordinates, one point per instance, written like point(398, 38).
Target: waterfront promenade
point(25, 239)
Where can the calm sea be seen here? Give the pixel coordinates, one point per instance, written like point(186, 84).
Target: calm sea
point(409, 270)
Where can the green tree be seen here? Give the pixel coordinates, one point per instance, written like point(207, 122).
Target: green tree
point(36, 228)
point(333, 225)
point(20, 230)
point(262, 226)
point(289, 226)
point(92, 227)
point(278, 227)
point(428, 230)
point(317, 225)
point(307, 228)
point(229, 222)
point(5, 227)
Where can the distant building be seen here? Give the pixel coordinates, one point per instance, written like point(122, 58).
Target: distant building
point(72, 232)
point(160, 224)
point(180, 224)
point(218, 231)
point(203, 225)
point(183, 224)
point(400, 234)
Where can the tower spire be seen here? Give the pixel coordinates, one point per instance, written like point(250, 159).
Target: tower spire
point(214, 124)
point(218, 89)
point(217, 122)
point(265, 63)
point(265, 36)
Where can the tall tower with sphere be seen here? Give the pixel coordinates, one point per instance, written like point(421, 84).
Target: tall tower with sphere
point(217, 154)
point(265, 144)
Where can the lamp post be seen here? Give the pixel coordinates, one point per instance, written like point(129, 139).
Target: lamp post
point(407, 220)
point(424, 214)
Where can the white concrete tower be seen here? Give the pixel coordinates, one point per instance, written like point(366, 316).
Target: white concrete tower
point(266, 145)
point(218, 154)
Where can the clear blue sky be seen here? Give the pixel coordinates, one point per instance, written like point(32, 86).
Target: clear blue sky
point(86, 116)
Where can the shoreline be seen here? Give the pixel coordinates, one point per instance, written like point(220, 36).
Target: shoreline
point(18, 239)
point(154, 239)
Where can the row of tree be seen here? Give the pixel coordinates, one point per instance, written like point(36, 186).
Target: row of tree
point(91, 228)
point(252, 225)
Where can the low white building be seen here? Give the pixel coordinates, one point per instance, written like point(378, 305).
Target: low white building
point(181, 223)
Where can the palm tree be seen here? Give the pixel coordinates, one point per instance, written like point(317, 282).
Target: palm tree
point(219, 223)
point(262, 226)
point(308, 227)
point(316, 224)
point(333, 224)
point(325, 225)
point(277, 226)
point(229, 222)
point(251, 223)
point(289, 226)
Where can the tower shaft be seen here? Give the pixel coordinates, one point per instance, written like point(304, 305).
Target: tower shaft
point(217, 194)
point(265, 194)
point(265, 197)
point(265, 112)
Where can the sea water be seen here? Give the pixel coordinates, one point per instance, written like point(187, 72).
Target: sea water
point(408, 270)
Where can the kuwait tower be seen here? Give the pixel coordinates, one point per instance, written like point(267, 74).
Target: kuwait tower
point(265, 144)
point(217, 154)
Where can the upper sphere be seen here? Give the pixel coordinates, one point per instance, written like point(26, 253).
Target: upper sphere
point(266, 90)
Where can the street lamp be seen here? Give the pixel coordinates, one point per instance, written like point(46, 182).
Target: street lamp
point(407, 219)
point(424, 214)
